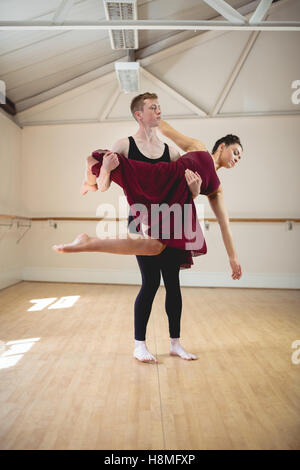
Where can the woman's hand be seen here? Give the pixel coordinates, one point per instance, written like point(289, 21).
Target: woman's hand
point(194, 181)
point(110, 161)
point(88, 187)
point(236, 268)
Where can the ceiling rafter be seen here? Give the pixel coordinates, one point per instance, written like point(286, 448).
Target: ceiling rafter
point(63, 11)
point(162, 25)
point(260, 11)
point(259, 15)
point(171, 45)
point(166, 47)
point(235, 72)
point(274, 114)
point(178, 96)
point(227, 11)
point(104, 113)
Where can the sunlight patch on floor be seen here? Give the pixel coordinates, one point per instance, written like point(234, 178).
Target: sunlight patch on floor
point(63, 302)
point(12, 351)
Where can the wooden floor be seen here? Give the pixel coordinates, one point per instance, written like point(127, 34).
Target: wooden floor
point(68, 379)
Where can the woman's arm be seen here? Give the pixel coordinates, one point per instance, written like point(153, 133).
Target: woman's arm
point(217, 204)
point(90, 181)
point(90, 178)
point(187, 144)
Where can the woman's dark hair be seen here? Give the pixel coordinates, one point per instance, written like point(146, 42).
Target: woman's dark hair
point(229, 139)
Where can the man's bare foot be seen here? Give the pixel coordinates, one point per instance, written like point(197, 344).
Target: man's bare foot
point(142, 354)
point(177, 350)
point(88, 187)
point(81, 243)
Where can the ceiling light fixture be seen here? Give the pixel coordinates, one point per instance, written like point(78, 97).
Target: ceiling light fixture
point(128, 76)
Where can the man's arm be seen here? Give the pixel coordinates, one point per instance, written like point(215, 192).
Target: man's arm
point(217, 204)
point(174, 154)
point(194, 182)
point(121, 147)
point(109, 163)
point(187, 144)
point(193, 179)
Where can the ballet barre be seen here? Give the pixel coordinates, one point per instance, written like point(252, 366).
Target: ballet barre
point(11, 219)
point(288, 221)
point(119, 219)
point(53, 221)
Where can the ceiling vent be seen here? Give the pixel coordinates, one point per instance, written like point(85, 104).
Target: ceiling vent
point(128, 76)
point(118, 11)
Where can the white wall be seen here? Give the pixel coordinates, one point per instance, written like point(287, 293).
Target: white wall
point(10, 201)
point(263, 185)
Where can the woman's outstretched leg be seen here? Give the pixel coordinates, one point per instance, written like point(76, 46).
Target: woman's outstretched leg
point(132, 245)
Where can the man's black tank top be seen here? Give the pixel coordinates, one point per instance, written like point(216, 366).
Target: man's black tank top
point(135, 154)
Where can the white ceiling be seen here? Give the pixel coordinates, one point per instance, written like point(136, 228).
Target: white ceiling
point(68, 76)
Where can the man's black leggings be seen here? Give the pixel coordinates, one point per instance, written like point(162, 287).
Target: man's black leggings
point(168, 264)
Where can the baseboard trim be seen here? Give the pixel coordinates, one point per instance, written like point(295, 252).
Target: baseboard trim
point(188, 278)
point(9, 277)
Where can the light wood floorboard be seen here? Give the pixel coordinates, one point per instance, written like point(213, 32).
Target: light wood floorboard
point(71, 382)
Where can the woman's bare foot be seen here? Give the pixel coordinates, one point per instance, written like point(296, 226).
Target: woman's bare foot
point(177, 350)
point(88, 187)
point(81, 243)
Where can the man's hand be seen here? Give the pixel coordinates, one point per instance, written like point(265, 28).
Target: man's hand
point(194, 181)
point(110, 161)
point(236, 268)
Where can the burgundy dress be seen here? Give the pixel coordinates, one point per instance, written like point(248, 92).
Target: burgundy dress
point(170, 213)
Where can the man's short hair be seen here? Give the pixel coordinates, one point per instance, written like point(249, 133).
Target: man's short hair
point(137, 104)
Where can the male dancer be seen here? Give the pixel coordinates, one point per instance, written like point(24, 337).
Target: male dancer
point(146, 146)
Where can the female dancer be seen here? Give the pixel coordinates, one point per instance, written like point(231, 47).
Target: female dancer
point(142, 184)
